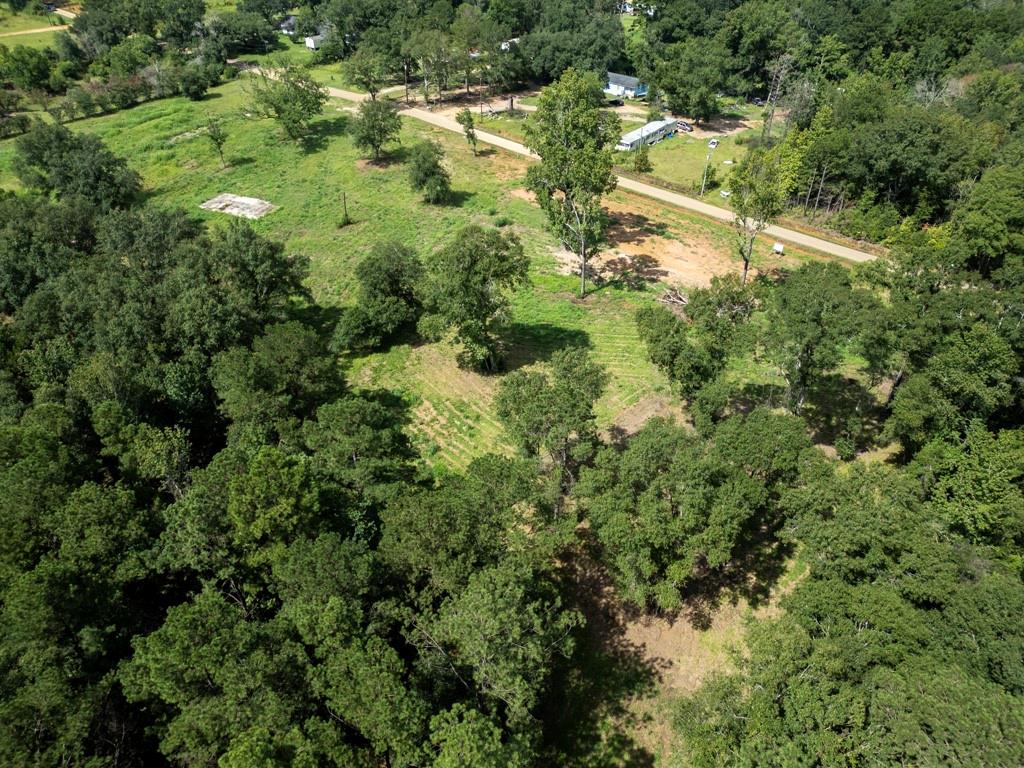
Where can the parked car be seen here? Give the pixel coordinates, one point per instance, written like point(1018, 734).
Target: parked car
point(758, 102)
point(616, 102)
point(713, 143)
point(725, 193)
point(682, 125)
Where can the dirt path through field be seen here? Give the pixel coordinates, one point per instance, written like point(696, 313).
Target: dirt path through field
point(658, 193)
point(36, 31)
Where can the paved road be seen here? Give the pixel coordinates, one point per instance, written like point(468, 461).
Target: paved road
point(660, 194)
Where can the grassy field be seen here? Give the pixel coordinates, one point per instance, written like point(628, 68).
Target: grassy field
point(19, 22)
point(453, 420)
point(34, 40)
point(452, 417)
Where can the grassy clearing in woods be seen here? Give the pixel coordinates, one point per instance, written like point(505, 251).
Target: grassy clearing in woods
point(165, 143)
point(452, 417)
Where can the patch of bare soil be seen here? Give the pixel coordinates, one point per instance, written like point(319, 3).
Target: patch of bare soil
point(186, 135)
point(642, 251)
point(523, 194)
point(630, 420)
point(722, 126)
point(504, 165)
point(363, 164)
point(686, 259)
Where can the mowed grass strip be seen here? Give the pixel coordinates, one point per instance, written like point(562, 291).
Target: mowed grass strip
point(34, 40)
point(19, 22)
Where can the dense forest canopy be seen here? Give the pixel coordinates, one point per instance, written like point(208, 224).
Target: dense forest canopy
point(222, 549)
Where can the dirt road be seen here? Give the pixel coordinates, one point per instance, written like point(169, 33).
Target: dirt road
point(36, 31)
point(639, 187)
point(657, 193)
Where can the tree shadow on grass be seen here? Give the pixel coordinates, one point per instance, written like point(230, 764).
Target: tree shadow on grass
point(631, 272)
point(535, 342)
point(322, 131)
point(838, 406)
point(633, 227)
point(322, 318)
point(395, 156)
point(752, 572)
point(238, 162)
point(457, 198)
point(586, 717)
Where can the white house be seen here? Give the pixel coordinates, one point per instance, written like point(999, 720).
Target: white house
point(625, 86)
point(647, 134)
point(313, 42)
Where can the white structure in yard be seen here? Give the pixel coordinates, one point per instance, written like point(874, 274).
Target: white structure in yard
point(647, 134)
point(625, 86)
point(313, 42)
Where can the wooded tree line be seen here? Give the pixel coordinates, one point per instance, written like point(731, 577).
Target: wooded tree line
point(902, 105)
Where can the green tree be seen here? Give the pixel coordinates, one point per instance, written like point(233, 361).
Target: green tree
point(377, 124)
point(554, 413)
point(288, 93)
point(813, 312)
point(56, 161)
point(694, 349)
point(642, 159)
point(670, 504)
point(218, 137)
point(760, 187)
point(968, 377)
point(427, 174)
point(975, 484)
point(27, 68)
point(366, 69)
point(504, 628)
point(692, 73)
point(268, 390)
point(466, 736)
point(574, 137)
point(208, 664)
point(466, 292)
point(386, 299)
point(465, 119)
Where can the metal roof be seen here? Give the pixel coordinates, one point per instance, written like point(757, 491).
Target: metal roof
point(645, 130)
point(624, 80)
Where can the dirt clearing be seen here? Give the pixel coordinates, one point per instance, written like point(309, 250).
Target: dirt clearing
point(236, 205)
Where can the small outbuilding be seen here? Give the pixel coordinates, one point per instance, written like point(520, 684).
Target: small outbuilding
point(651, 133)
point(625, 86)
point(314, 42)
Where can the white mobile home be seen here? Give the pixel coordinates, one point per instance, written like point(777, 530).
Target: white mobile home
point(647, 134)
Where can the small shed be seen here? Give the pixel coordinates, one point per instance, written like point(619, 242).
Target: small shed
point(314, 42)
point(625, 86)
point(651, 133)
